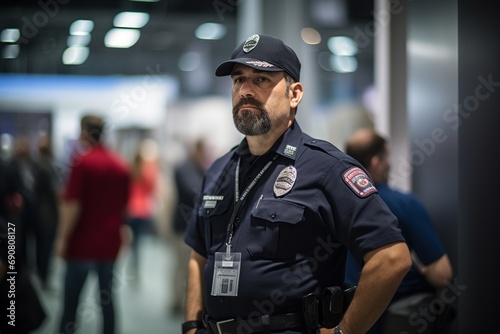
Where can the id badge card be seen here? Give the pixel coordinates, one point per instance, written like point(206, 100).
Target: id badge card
point(226, 274)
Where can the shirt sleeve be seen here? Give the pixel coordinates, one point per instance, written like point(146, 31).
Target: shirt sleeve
point(361, 222)
point(74, 186)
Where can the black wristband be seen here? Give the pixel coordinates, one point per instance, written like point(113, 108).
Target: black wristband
point(187, 325)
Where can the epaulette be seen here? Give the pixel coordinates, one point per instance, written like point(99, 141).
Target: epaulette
point(324, 146)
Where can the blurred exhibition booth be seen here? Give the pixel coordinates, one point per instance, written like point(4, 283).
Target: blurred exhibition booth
point(60, 59)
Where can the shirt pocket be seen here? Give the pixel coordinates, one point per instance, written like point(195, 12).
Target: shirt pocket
point(274, 229)
point(215, 222)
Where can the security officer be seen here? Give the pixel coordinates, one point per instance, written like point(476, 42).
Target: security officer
point(278, 213)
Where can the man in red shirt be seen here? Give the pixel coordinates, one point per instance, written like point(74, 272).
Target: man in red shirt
point(93, 213)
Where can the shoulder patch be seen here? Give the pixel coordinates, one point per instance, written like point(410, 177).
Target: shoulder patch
point(358, 181)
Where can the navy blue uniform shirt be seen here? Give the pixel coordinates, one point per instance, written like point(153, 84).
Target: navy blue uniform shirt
point(293, 244)
point(418, 230)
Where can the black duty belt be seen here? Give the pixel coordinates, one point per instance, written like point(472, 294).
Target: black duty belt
point(261, 324)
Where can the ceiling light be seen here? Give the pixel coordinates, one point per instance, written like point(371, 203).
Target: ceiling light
point(121, 38)
point(81, 27)
point(310, 36)
point(75, 55)
point(343, 64)
point(130, 20)
point(210, 31)
point(10, 51)
point(342, 46)
point(10, 35)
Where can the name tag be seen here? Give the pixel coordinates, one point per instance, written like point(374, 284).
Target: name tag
point(210, 201)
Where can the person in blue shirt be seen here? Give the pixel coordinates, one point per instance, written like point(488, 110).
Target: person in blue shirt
point(431, 268)
point(277, 214)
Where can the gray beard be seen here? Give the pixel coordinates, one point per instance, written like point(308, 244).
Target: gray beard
point(251, 124)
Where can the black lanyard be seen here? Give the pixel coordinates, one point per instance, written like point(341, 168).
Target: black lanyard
point(238, 201)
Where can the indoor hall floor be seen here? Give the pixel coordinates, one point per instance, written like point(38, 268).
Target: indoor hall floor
point(142, 306)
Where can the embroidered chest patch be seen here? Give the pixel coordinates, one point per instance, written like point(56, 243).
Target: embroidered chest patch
point(359, 182)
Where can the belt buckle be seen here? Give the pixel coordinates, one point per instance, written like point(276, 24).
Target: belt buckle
point(218, 323)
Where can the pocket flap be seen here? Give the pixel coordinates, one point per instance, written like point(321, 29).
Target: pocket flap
point(279, 211)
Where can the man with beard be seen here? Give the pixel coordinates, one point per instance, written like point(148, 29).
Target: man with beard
point(277, 214)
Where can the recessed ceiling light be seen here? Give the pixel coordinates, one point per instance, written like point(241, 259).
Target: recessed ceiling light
point(10, 35)
point(343, 64)
point(121, 38)
point(130, 20)
point(210, 31)
point(81, 27)
point(310, 36)
point(342, 46)
point(10, 51)
point(75, 55)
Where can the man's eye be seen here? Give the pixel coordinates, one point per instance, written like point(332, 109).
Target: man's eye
point(261, 79)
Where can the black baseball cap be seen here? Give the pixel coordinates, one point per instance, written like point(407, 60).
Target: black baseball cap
point(265, 53)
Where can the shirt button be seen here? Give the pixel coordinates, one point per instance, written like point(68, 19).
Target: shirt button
point(273, 215)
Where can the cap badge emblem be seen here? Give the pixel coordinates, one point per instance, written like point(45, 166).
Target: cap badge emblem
point(285, 181)
point(251, 43)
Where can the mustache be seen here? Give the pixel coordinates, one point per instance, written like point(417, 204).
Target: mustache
point(248, 101)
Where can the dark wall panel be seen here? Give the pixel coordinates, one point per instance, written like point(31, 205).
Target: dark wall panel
point(479, 96)
point(454, 112)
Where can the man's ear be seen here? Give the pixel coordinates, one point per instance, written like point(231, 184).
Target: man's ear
point(296, 90)
point(374, 163)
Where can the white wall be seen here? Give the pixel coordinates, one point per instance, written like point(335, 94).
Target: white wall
point(140, 101)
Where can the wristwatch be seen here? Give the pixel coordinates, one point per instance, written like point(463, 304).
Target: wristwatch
point(337, 330)
point(191, 324)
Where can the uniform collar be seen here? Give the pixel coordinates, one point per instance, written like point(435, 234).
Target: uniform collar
point(287, 145)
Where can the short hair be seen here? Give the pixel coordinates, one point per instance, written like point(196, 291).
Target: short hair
point(93, 125)
point(363, 150)
point(289, 81)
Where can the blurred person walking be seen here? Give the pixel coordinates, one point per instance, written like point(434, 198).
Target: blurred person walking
point(143, 197)
point(28, 311)
point(93, 214)
point(47, 187)
point(188, 177)
point(23, 169)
